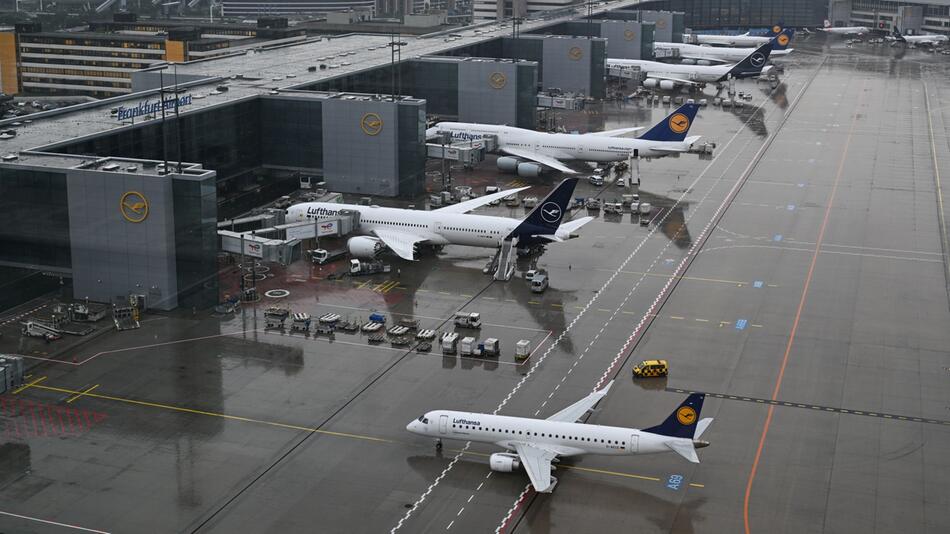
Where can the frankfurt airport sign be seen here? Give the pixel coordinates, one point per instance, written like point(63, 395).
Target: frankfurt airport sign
point(148, 107)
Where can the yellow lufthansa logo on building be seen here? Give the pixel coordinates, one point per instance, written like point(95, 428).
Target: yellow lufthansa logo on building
point(497, 80)
point(371, 124)
point(686, 415)
point(782, 39)
point(575, 53)
point(661, 23)
point(776, 29)
point(134, 207)
point(629, 35)
point(679, 123)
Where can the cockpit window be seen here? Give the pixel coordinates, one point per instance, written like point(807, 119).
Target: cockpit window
point(423, 419)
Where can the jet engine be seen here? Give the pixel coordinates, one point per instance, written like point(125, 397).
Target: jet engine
point(650, 83)
point(365, 247)
point(704, 62)
point(689, 62)
point(508, 164)
point(504, 462)
point(667, 85)
point(529, 170)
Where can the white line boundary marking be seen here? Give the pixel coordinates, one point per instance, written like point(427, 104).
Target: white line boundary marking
point(48, 522)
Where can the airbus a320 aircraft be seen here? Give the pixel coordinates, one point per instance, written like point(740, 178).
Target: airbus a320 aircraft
point(535, 443)
point(929, 39)
point(698, 54)
point(528, 152)
point(669, 75)
point(402, 230)
point(845, 30)
point(745, 40)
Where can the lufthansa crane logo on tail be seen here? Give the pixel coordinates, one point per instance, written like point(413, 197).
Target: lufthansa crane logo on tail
point(550, 212)
point(629, 35)
point(782, 39)
point(686, 415)
point(575, 53)
point(679, 123)
point(371, 124)
point(757, 59)
point(134, 207)
point(497, 80)
point(776, 29)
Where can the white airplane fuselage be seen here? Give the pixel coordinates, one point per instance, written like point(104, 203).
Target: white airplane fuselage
point(568, 439)
point(437, 228)
point(720, 53)
point(926, 39)
point(749, 41)
point(847, 30)
point(561, 146)
point(693, 73)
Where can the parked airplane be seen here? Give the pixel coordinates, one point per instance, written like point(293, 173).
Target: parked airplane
point(845, 30)
point(745, 40)
point(535, 443)
point(697, 54)
point(402, 229)
point(928, 39)
point(668, 75)
point(551, 149)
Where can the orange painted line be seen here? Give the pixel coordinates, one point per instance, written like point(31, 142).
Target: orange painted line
point(798, 316)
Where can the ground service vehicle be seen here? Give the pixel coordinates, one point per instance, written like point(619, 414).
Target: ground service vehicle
point(651, 368)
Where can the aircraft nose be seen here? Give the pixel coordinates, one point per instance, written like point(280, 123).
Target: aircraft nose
point(411, 427)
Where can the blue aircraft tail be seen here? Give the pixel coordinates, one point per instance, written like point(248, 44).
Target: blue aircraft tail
point(682, 422)
point(898, 35)
point(753, 63)
point(545, 218)
point(776, 29)
point(783, 39)
point(675, 126)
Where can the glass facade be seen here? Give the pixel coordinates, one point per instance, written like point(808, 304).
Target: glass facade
point(196, 241)
point(743, 14)
point(34, 219)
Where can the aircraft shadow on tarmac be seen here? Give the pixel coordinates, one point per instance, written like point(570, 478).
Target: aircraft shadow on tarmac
point(667, 515)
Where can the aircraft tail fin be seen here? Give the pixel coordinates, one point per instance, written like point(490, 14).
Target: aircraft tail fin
point(783, 39)
point(675, 126)
point(683, 422)
point(827, 23)
point(753, 63)
point(776, 29)
point(546, 217)
point(897, 34)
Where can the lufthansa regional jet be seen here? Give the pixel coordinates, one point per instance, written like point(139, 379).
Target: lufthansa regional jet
point(669, 75)
point(926, 39)
point(535, 443)
point(528, 152)
point(402, 230)
point(845, 30)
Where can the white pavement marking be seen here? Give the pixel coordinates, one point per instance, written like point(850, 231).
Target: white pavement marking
point(54, 523)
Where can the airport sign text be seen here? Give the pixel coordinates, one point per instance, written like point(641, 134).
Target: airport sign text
point(148, 107)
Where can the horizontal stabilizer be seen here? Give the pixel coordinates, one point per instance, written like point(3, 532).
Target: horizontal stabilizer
point(702, 426)
point(684, 448)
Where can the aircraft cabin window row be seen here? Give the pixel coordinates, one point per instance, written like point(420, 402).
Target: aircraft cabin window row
point(543, 435)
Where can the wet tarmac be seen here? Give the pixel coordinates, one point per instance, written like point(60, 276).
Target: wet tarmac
point(800, 276)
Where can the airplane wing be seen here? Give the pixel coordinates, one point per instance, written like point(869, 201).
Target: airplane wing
point(399, 242)
point(660, 76)
point(469, 205)
point(617, 133)
point(539, 158)
point(537, 462)
point(575, 411)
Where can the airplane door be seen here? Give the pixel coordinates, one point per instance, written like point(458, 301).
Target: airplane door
point(443, 424)
point(634, 443)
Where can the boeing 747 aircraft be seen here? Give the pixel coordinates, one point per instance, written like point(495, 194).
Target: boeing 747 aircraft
point(535, 443)
point(528, 152)
point(669, 75)
point(402, 230)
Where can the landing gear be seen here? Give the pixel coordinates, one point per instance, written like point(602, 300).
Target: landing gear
point(438, 445)
point(553, 485)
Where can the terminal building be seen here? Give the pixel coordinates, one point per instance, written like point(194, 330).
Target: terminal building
point(99, 62)
point(743, 14)
point(911, 17)
point(123, 196)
